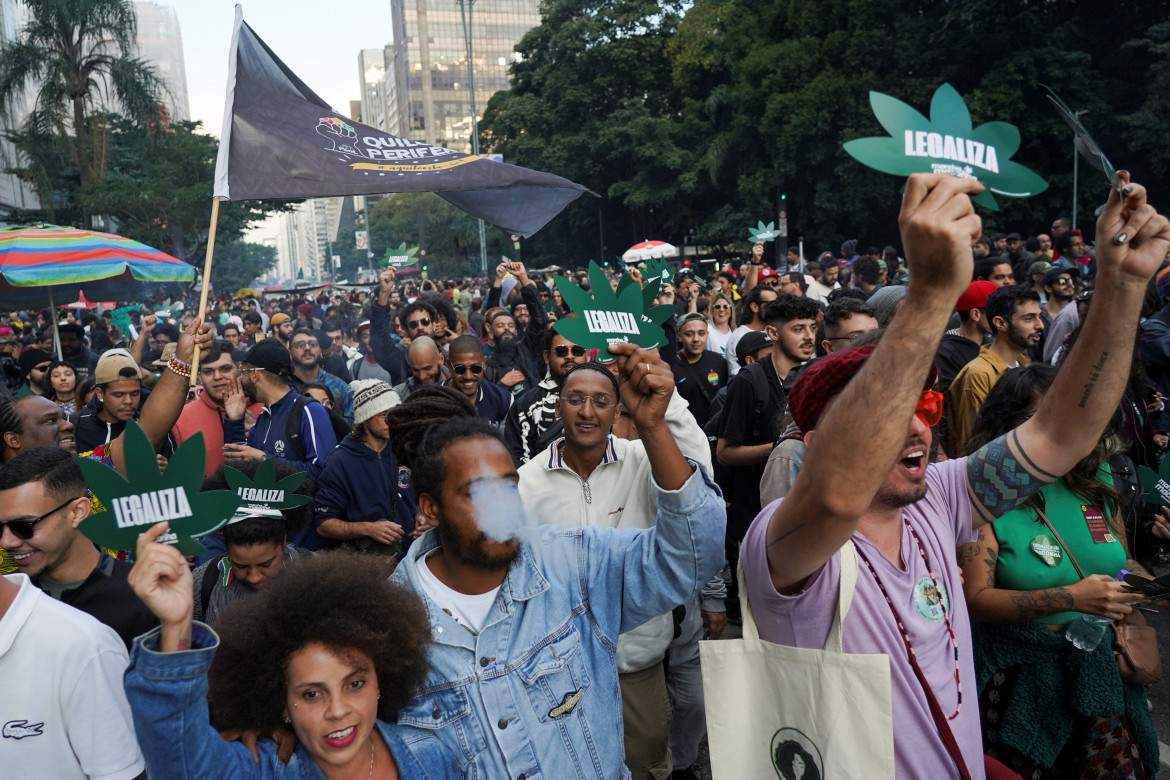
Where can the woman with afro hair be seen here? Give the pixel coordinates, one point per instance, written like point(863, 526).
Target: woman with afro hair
point(329, 650)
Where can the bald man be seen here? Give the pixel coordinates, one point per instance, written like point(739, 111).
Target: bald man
point(427, 366)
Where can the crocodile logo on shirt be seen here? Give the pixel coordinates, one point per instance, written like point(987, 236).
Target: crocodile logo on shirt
point(19, 729)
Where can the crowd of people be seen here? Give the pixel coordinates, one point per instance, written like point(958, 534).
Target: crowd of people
point(510, 546)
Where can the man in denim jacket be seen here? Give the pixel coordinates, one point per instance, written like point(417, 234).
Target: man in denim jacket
point(524, 677)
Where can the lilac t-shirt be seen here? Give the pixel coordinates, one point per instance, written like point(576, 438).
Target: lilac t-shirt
point(942, 520)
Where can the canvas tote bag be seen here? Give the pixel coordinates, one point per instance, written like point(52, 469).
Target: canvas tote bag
point(777, 711)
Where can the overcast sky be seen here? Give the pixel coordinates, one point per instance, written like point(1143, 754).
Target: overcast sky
point(318, 40)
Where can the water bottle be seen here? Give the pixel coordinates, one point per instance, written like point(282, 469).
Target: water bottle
point(1087, 632)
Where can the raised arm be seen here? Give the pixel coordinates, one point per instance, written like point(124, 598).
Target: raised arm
point(161, 411)
point(139, 345)
point(382, 343)
point(1132, 241)
point(863, 433)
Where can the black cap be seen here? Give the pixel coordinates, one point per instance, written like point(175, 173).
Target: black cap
point(1054, 273)
point(269, 355)
point(1014, 237)
point(751, 343)
point(31, 358)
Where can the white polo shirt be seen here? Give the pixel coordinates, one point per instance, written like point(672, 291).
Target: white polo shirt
point(64, 712)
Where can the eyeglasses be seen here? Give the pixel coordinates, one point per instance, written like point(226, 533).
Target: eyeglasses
point(930, 407)
point(563, 350)
point(600, 403)
point(1062, 280)
point(23, 529)
point(306, 344)
point(460, 369)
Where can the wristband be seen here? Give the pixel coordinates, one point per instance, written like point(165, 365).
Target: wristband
point(179, 367)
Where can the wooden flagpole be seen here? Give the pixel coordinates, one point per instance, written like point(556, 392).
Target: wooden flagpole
point(206, 282)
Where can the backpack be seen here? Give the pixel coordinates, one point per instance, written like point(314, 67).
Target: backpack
point(292, 425)
point(210, 576)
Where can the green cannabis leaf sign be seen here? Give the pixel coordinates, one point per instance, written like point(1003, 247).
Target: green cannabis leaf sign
point(264, 494)
point(1156, 483)
point(946, 143)
point(134, 503)
point(169, 310)
point(609, 317)
point(762, 232)
point(400, 257)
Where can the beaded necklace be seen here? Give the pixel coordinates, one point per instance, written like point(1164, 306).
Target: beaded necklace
point(898, 620)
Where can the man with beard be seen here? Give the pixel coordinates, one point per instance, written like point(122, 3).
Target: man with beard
point(1060, 287)
point(75, 352)
point(515, 361)
point(467, 367)
point(523, 679)
point(756, 398)
point(218, 411)
point(427, 366)
point(1016, 327)
point(532, 423)
point(265, 372)
point(305, 351)
point(893, 519)
point(593, 478)
point(282, 328)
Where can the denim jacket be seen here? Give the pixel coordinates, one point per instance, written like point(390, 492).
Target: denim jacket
point(168, 699)
point(535, 694)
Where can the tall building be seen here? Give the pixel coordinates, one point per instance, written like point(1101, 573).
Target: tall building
point(13, 192)
point(425, 88)
point(304, 239)
point(160, 42)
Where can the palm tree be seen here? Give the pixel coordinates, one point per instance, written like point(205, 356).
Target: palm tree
point(80, 58)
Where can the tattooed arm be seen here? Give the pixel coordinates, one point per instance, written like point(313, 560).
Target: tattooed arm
point(1132, 241)
point(1097, 594)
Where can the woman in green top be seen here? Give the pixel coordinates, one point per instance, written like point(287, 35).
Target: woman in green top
point(1051, 710)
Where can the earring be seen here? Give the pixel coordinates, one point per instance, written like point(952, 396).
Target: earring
point(288, 720)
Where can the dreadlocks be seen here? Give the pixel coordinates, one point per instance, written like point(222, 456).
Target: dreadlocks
point(425, 407)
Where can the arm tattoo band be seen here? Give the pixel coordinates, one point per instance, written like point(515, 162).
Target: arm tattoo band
point(1000, 475)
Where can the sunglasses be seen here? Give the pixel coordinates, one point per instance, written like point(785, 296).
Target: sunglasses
point(1062, 281)
point(717, 308)
point(563, 350)
point(930, 407)
point(416, 324)
point(42, 367)
point(460, 369)
point(24, 529)
point(599, 403)
point(308, 344)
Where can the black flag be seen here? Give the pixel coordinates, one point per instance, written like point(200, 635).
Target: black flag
point(280, 140)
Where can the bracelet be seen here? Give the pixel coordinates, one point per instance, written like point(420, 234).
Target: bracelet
point(179, 367)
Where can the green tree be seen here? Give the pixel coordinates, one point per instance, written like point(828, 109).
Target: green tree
point(158, 191)
point(694, 120)
point(449, 235)
point(239, 264)
point(74, 54)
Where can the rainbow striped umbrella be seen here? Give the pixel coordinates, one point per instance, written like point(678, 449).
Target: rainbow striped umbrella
point(45, 262)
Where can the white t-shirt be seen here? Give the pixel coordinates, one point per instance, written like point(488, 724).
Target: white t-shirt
point(729, 350)
point(65, 713)
point(717, 339)
point(468, 611)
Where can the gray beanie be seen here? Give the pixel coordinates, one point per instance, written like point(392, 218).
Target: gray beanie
point(883, 302)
